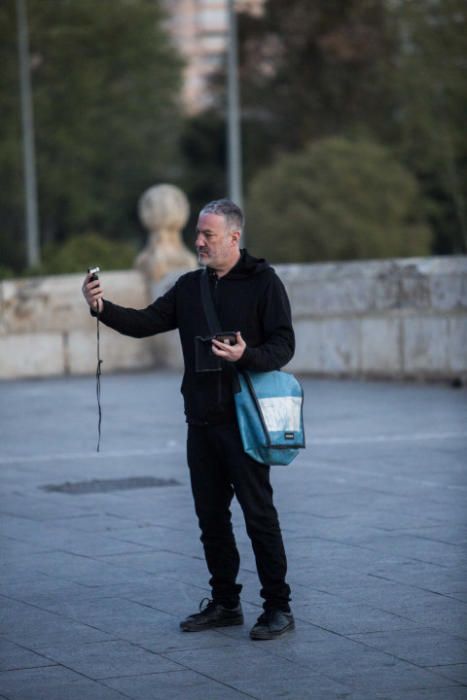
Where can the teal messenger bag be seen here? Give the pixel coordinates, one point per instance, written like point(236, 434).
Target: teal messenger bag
point(269, 405)
point(269, 409)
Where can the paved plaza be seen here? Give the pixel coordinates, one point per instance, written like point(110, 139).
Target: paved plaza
point(98, 567)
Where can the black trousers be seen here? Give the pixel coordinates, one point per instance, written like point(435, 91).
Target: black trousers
point(220, 468)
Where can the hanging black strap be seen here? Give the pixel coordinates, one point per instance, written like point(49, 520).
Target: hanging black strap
point(98, 383)
point(213, 321)
point(208, 304)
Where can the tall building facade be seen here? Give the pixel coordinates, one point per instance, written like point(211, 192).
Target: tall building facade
point(200, 29)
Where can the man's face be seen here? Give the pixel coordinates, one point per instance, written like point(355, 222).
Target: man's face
point(215, 246)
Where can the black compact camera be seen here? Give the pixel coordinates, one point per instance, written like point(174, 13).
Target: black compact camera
point(93, 272)
point(205, 360)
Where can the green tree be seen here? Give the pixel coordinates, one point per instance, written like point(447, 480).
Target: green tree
point(202, 146)
point(431, 91)
point(105, 88)
point(310, 70)
point(392, 71)
point(78, 253)
point(336, 200)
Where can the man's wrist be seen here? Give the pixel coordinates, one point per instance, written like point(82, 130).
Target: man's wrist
point(100, 308)
point(245, 357)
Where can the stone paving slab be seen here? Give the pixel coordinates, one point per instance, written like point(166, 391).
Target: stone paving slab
point(14, 657)
point(173, 686)
point(53, 683)
point(93, 586)
point(422, 646)
point(457, 672)
point(109, 659)
point(449, 691)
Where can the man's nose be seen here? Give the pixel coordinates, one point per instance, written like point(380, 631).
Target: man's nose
point(199, 241)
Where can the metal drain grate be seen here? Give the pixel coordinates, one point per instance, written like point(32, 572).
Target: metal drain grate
point(105, 485)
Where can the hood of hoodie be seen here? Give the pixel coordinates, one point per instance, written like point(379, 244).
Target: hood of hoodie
point(246, 266)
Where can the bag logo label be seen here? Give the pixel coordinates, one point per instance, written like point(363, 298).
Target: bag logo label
point(289, 436)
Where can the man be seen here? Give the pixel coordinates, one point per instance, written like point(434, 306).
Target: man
point(251, 300)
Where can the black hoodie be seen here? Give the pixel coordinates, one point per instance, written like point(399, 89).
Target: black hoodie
point(250, 298)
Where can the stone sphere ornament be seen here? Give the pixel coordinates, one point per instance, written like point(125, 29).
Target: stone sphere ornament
point(164, 210)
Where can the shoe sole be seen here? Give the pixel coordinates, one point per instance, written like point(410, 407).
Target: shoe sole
point(264, 636)
point(198, 628)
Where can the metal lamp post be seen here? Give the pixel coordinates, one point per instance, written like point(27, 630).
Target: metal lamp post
point(234, 156)
point(27, 119)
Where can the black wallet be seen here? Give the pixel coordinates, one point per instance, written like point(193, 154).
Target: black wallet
point(205, 360)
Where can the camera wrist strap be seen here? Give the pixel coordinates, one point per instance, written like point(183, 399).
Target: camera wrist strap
point(98, 381)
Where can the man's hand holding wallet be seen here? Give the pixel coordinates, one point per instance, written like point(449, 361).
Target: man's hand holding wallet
point(210, 351)
point(228, 346)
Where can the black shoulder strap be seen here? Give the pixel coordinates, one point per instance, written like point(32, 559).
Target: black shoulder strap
point(213, 320)
point(208, 304)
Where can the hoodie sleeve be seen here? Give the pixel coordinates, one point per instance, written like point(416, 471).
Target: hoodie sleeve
point(276, 325)
point(158, 317)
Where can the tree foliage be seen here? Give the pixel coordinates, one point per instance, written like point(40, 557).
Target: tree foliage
point(388, 71)
point(78, 253)
point(105, 91)
point(336, 200)
point(429, 124)
point(310, 70)
point(204, 162)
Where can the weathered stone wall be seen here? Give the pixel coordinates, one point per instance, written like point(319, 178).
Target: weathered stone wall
point(393, 318)
point(46, 329)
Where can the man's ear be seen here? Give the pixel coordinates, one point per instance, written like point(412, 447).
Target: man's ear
point(236, 236)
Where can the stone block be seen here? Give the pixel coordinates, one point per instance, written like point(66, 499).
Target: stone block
point(323, 292)
point(358, 287)
point(308, 354)
point(345, 296)
point(381, 346)
point(425, 345)
point(457, 344)
point(55, 303)
point(31, 355)
point(447, 292)
point(118, 352)
point(414, 288)
point(386, 288)
point(340, 346)
point(464, 291)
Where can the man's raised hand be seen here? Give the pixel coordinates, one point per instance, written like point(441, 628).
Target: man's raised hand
point(93, 293)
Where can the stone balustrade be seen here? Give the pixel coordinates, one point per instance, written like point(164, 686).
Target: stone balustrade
point(46, 328)
point(402, 318)
point(393, 318)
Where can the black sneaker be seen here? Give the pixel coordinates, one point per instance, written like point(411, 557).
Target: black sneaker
point(272, 624)
point(212, 615)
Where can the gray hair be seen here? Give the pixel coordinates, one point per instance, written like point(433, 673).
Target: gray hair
point(232, 214)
